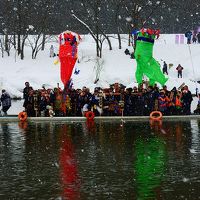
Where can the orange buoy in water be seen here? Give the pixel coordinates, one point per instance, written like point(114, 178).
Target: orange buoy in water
point(156, 115)
point(22, 116)
point(90, 115)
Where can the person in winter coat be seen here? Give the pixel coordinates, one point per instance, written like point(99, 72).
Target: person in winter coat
point(163, 102)
point(197, 110)
point(165, 68)
point(179, 70)
point(198, 37)
point(95, 102)
point(127, 52)
point(52, 54)
point(26, 91)
point(128, 107)
point(186, 100)
point(149, 100)
point(194, 38)
point(5, 101)
point(178, 103)
point(188, 35)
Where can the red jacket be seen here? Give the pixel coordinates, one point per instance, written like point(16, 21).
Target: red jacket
point(179, 68)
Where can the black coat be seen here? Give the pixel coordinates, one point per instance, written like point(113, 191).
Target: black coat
point(5, 99)
point(187, 97)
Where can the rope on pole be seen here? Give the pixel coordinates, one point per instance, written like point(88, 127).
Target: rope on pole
point(192, 66)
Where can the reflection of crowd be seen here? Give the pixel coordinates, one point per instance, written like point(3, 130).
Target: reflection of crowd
point(116, 100)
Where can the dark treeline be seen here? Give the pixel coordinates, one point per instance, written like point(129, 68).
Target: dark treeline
point(42, 18)
point(109, 16)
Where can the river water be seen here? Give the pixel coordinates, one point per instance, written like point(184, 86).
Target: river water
point(104, 160)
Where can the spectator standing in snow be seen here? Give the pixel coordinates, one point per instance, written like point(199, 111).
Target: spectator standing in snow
point(197, 110)
point(52, 54)
point(26, 91)
point(198, 37)
point(127, 52)
point(179, 70)
point(188, 35)
point(194, 38)
point(6, 102)
point(165, 68)
point(187, 100)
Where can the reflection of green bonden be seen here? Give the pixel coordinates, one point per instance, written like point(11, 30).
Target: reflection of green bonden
point(149, 166)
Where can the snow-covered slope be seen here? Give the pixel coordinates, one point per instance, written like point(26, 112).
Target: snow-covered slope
point(115, 66)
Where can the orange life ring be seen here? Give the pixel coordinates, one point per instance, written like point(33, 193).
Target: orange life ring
point(22, 116)
point(156, 115)
point(89, 115)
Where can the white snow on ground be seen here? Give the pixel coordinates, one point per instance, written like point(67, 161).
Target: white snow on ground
point(116, 67)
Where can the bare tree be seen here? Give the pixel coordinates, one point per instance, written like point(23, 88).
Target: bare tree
point(93, 11)
point(116, 8)
point(7, 42)
point(1, 46)
point(140, 13)
point(22, 17)
point(7, 24)
point(35, 44)
point(44, 19)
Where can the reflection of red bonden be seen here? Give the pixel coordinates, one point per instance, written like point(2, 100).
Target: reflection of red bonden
point(68, 169)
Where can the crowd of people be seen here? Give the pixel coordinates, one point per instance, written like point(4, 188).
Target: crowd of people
point(117, 100)
point(179, 69)
point(192, 37)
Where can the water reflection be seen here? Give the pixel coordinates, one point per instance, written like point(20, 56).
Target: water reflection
point(23, 125)
point(150, 163)
point(68, 166)
point(105, 160)
point(11, 156)
point(195, 140)
point(90, 126)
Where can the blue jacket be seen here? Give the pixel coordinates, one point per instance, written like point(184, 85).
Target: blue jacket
point(5, 99)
